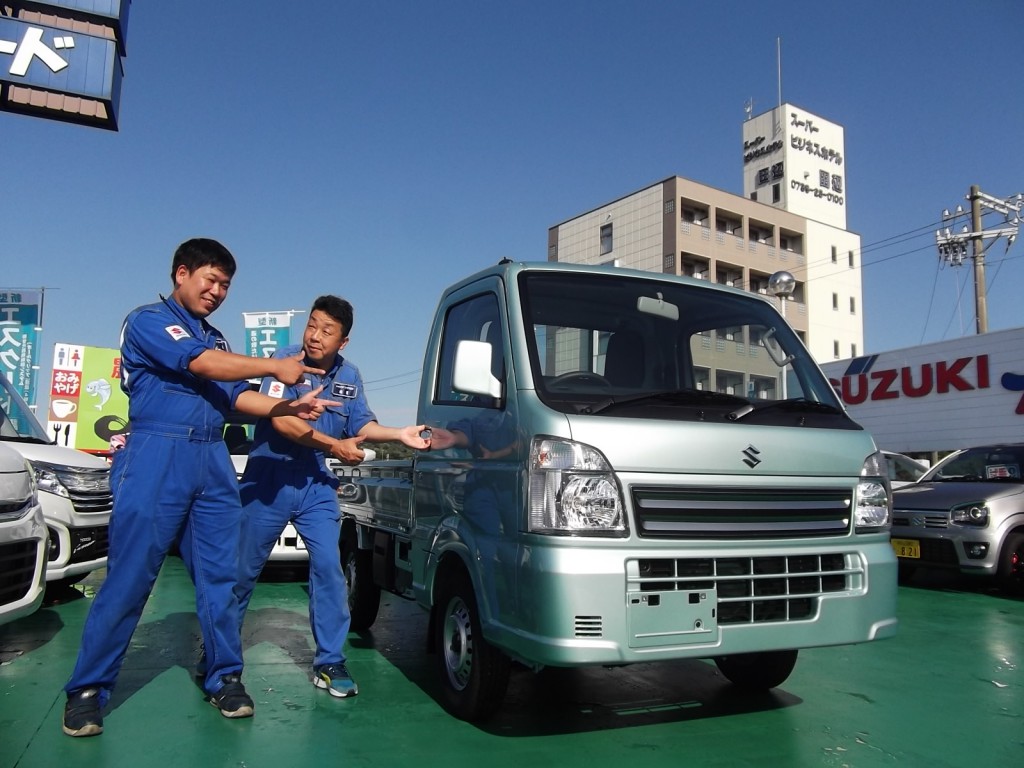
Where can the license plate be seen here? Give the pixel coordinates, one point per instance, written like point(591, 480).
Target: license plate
point(908, 548)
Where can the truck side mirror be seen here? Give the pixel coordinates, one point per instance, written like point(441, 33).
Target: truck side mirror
point(472, 374)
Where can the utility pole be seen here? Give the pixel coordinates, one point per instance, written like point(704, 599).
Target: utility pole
point(953, 245)
point(980, 297)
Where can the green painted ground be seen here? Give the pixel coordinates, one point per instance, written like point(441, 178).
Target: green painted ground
point(947, 691)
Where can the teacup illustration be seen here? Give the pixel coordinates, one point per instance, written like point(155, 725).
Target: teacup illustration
point(63, 408)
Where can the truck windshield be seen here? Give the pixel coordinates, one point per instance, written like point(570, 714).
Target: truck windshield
point(17, 423)
point(622, 345)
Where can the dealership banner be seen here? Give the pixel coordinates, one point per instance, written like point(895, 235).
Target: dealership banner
point(956, 393)
point(87, 406)
point(266, 332)
point(20, 312)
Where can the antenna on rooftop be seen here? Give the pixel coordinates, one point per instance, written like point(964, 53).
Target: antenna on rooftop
point(778, 60)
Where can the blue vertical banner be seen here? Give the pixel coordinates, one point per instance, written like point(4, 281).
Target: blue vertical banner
point(266, 332)
point(20, 314)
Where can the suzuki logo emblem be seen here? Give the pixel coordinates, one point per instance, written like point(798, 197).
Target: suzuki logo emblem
point(751, 455)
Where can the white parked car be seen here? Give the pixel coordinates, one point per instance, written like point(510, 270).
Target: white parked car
point(74, 491)
point(23, 539)
point(903, 470)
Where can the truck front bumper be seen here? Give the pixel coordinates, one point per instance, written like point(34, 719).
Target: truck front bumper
point(671, 604)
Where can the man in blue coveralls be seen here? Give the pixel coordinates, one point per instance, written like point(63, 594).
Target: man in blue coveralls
point(286, 479)
point(174, 481)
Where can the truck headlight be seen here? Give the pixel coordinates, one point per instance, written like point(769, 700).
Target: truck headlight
point(970, 514)
point(873, 505)
point(573, 490)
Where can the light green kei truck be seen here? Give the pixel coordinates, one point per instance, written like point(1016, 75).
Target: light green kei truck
point(626, 467)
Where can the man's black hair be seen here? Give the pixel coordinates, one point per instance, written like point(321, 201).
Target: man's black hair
point(337, 308)
point(202, 252)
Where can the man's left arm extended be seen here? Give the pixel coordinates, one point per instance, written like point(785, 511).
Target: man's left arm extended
point(347, 450)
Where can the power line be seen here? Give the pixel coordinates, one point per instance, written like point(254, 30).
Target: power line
point(396, 376)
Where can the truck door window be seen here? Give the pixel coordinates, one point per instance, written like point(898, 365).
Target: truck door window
point(476, 319)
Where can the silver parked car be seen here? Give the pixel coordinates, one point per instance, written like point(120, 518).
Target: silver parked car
point(966, 513)
point(23, 539)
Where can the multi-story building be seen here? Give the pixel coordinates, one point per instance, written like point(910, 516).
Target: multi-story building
point(782, 222)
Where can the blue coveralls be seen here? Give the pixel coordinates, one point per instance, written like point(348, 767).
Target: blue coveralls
point(285, 481)
point(173, 480)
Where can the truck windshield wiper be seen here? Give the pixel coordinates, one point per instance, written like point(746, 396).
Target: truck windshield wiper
point(676, 396)
point(796, 404)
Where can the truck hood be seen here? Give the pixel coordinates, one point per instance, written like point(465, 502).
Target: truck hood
point(57, 455)
point(647, 445)
point(946, 495)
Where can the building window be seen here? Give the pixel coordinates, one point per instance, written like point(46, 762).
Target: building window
point(606, 239)
point(835, 349)
point(851, 259)
point(853, 350)
point(776, 193)
point(835, 255)
point(835, 301)
point(853, 305)
point(753, 196)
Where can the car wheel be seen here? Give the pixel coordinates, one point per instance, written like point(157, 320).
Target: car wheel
point(757, 671)
point(1011, 565)
point(363, 594)
point(474, 674)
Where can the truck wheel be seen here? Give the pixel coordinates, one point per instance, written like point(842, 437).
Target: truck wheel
point(1011, 565)
point(363, 594)
point(474, 674)
point(757, 671)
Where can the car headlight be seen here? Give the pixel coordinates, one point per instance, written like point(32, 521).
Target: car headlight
point(970, 514)
point(48, 481)
point(573, 490)
point(873, 505)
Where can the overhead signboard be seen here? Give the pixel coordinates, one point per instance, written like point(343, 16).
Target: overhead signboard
point(112, 13)
point(50, 67)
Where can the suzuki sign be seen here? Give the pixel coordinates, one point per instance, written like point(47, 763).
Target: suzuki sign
point(936, 397)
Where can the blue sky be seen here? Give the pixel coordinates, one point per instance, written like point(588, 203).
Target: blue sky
point(381, 151)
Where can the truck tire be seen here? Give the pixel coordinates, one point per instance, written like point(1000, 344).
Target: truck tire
point(757, 671)
point(363, 594)
point(1011, 565)
point(473, 673)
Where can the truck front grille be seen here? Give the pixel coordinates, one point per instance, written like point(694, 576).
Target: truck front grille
point(17, 568)
point(754, 590)
point(730, 513)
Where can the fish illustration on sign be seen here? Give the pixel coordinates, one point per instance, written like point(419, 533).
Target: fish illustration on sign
point(99, 388)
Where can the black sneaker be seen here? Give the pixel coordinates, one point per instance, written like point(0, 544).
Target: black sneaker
point(231, 699)
point(82, 716)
